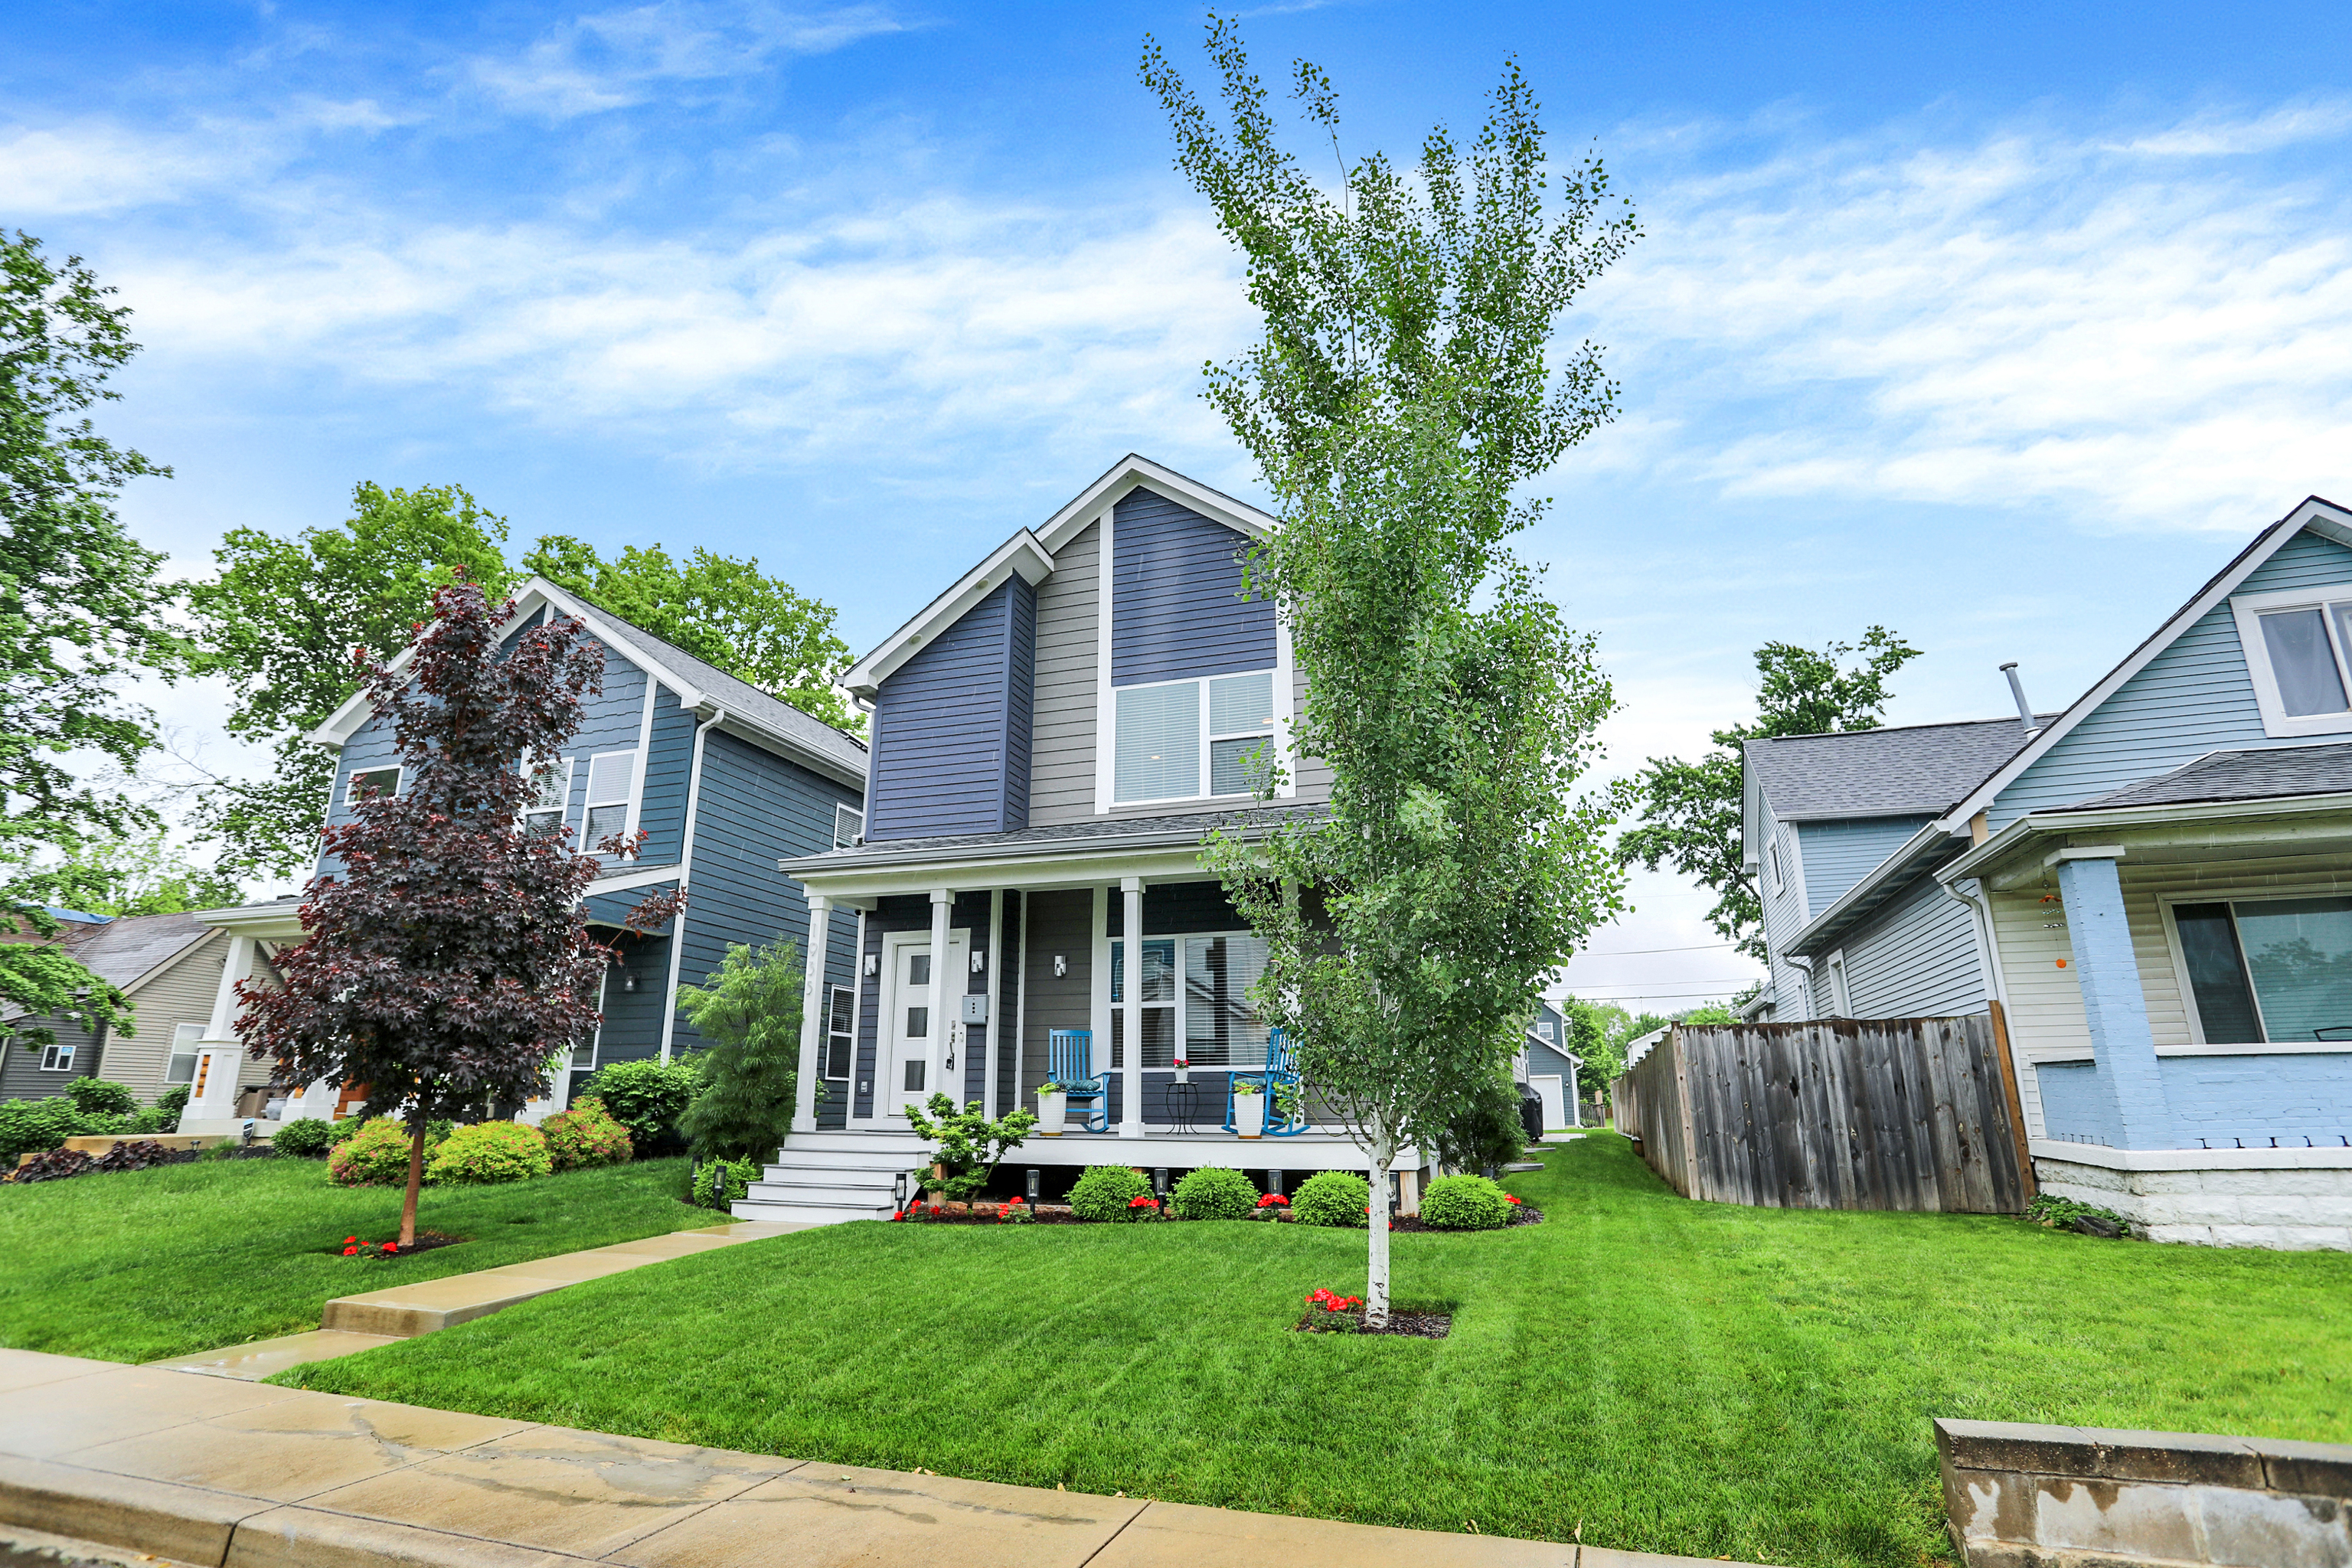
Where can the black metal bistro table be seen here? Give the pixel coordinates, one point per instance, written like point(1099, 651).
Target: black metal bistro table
point(1184, 1105)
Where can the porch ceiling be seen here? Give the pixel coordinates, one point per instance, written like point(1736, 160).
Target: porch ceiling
point(2018, 855)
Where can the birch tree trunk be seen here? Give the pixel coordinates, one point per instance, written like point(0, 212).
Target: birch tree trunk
point(1376, 1273)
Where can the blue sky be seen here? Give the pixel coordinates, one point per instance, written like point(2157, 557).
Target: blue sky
point(2002, 326)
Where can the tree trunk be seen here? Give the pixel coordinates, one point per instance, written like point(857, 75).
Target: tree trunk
point(1376, 1275)
point(416, 1180)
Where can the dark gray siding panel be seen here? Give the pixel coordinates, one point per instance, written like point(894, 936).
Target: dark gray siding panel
point(941, 735)
point(663, 813)
point(1062, 750)
point(21, 1077)
point(1174, 612)
point(1007, 968)
point(1020, 687)
point(1059, 922)
point(1178, 906)
point(754, 808)
point(633, 1019)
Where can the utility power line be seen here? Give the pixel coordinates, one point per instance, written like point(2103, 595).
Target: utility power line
point(1633, 952)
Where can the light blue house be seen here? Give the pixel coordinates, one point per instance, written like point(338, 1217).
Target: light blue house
point(1546, 1065)
point(2155, 886)
point(724, 780)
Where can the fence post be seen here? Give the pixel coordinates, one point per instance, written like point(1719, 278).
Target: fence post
point(1683, 1094)
point(2026, 1184)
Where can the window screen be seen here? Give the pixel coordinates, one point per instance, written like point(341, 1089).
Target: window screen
point(2299, 955)
point(848, 822)
point(611, 784)
point(2217, 974)
point(1159, 742)
point(1241, 731)
point(550, 796)
point(2303, 662)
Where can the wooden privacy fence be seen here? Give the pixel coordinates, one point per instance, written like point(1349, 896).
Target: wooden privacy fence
point(1846, 1113)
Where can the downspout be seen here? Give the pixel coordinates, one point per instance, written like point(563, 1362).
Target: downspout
point(685, 866)
point(1987, 956)
point(1806, 965)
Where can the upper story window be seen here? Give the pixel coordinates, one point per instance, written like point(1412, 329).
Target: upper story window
point(848, 826)
point(545, 814)
point(612, 789)
point(2298, 647)
point(1182, 740)
point(369, 781)
point(1780, 871)
point(1544, 1031)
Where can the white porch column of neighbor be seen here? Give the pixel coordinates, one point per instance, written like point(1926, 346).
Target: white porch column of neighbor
point(813, 1020)
point(2122, 1045)
point(942, 1002)
point(212, 1092)
point(1130, 1073)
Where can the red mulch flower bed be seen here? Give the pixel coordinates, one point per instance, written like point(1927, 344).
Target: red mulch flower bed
point(1330, 1313)
point(427, 1240)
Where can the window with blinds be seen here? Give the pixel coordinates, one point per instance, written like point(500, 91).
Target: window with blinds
point(612, 787)
point(1182, 740)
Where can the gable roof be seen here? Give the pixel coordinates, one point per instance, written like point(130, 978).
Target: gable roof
point(1912, 770)
point(749, 711)
point(1030, 553)
point(124, 951)
point(2270, 773)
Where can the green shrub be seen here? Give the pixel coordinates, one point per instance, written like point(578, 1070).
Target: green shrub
point(647, 1098)
point(33, 1126)
point(98, 1096)
point(584, 1137)
point(1332, 1197)
point(704, 1186)
point(154, 1119)
point(749, 1008)
point(173, 1103)
point(488, 1152)
point(376, 1155)
point(305, 1139)
point(1465, 1202)
point(1214, 1192)
point(341, 1132)
point(1105, 1192)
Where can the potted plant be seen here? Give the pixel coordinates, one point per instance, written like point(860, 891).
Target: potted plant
point(1184, 1068)
point(1249, 1109)
point(1052, 1104)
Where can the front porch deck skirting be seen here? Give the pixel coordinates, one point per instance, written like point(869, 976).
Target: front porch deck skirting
point(2285, 1199)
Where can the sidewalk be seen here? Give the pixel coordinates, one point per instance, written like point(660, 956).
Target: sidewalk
point(226, 1473)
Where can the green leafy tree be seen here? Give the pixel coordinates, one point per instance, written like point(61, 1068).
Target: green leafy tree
point(749, 1008)
point(282, 620)
point(722, 610)
point(1399, 393)
point(1690, 811)
point(143, 876)
point(81, 610)
point(1596, 1035)
point(970, 1145)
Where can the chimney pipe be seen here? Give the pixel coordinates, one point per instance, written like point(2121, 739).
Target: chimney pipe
point(2017, 690)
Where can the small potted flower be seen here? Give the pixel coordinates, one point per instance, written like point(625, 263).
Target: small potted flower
point(1053, 1105)
point(1184, 1068)
point(1249, 1109)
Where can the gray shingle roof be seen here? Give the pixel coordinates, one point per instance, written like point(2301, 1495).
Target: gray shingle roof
point(739, 696)
point(121, 950)
point(2268, 773)
point(1915, 770)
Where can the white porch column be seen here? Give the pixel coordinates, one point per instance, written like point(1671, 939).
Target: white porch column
point(812, 1010)
point(238, 967)
point(211, 1091)
point(943, 994)
point(1130, 1073)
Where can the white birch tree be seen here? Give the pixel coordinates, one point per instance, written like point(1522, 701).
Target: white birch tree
point(1400, 394)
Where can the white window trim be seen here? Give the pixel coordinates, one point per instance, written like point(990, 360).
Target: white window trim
point(1176, 1004)
point(2179, 959)
point(1780, 869)
point(840, 840)
point(595, 1035)
point(398, 771)
point(832, 993)
point(636, 791)
point(1275, 738)
point(2249, 609)
point(194, 1033)
point(562, 813)
point(56, 1058)
point(1841, 994)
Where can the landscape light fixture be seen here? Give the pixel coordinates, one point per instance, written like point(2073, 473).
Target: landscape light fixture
point(1034, 1174)
point(1159, 1179)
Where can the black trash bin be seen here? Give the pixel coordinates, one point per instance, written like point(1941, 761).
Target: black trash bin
point(1531, 1114)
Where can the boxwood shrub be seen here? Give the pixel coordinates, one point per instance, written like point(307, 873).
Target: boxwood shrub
point(1465, 1202)
point(1214, 1192)
point(1332, 1197)
point(306, 1138)
point(1105, 1192)
point(488, 1153)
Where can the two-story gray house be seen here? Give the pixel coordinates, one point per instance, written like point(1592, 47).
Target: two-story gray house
point(724, 779)
point(1052, 735)
point(2155, 886)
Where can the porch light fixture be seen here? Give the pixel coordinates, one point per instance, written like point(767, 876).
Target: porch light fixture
point(872, 964)
point(628, 980)
point(1061, 967)
point(978, 961)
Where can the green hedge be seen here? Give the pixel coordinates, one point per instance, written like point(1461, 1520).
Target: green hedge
point(1465, 1202)
point(1214, 1192)
point(1332, 1197)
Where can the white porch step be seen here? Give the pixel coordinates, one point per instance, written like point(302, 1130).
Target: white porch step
point(802, 1189)
point(831, 1178)
point(809, 1213)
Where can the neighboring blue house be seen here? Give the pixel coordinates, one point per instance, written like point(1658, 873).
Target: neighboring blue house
point(1546, 1065)
point(2155, 885)
point(724, 779)
point(1053, 736)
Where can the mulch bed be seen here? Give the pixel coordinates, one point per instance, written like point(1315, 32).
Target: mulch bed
point(1521, 1214)
point(1410, 1325)
point(427, 1240)
point(985, 1213)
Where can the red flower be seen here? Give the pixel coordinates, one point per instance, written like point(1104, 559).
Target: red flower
point(348, 1240)
point(390, 1248)
point(1510, 1197)
point(350, 1251)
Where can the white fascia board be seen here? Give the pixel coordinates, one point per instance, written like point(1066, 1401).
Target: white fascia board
point(2314, 1159)
point(856, 887)
point(1751, 817)
point(1982, 860)
point(1799, 940)
point(1022, 554)
point(2323, 517)
point(1130, 472)
point(271, 921)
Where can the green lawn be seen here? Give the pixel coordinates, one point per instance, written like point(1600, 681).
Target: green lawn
point(187, 1258)
point(1668, 1375)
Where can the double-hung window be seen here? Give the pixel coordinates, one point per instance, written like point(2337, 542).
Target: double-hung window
point(551, 796)
point(2298, 647)
point(1182, 740)
point(848, 823)
point(612, 789)
point(184, 1041)
point(2265, 970)
point(841, 1014)
point(1779, 869)
point(56, 1058)
point(371, 782)
point(1209, 1010)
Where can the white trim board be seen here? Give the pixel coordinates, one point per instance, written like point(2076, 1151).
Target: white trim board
point(2296, 1159)
point(2249, 610)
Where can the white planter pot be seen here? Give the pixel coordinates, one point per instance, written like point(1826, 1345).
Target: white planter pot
point(1249, 1115)
point(1183, 1074)
point(1051, 1109)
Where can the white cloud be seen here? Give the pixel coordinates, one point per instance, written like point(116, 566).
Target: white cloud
point(611, 60)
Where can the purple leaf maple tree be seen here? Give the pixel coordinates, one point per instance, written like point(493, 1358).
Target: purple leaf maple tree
point(448, 960)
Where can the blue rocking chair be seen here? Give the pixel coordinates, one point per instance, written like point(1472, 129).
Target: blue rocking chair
point(1281, 1073)
point(1069, 1061)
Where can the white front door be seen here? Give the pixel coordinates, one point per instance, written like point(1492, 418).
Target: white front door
point(917, 1043)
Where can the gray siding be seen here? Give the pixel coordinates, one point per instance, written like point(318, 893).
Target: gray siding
point(2195, 697)
point(1059, 922)
point(1837, 855)
point(944, 740)
point(1061, 708)
point(181, 991)
point(1915, 959)
point(1311, 776)
point(21, 1077)
point(1020, 701)
point(1174, 605)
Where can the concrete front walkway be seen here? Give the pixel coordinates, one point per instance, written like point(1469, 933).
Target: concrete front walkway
point(231, 1474)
